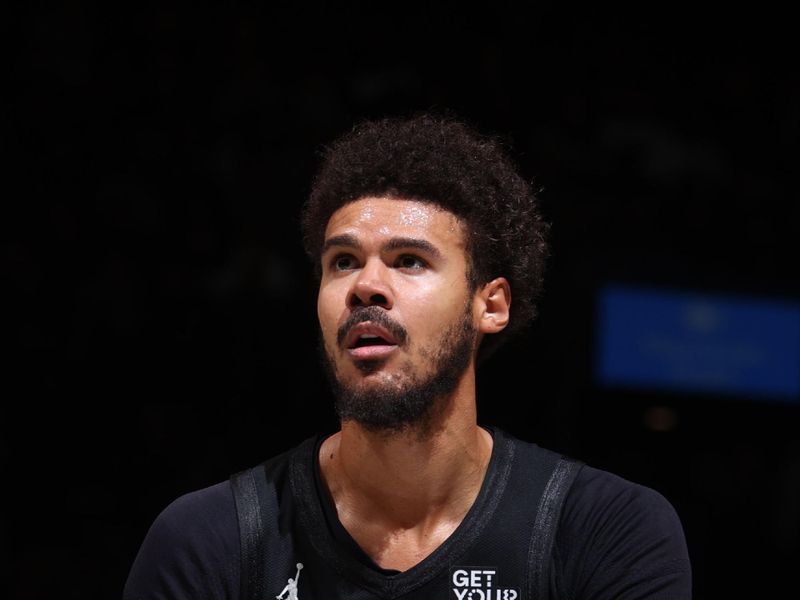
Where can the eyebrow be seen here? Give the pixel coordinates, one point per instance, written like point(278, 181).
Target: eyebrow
point(396, 243)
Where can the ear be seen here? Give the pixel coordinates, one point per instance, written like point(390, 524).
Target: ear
point(493, 302)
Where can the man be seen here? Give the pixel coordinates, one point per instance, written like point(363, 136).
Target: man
point(422, 232)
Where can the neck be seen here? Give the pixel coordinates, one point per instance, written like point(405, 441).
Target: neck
point(400, 495)
point(413, 478)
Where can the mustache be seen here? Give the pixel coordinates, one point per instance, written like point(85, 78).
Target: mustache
point(373, 314)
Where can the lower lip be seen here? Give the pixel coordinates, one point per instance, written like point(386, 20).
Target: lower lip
point(371, 352)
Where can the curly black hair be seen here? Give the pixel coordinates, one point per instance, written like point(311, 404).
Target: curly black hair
point(445, 161)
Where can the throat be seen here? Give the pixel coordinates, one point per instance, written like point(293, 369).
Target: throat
point(401, 549)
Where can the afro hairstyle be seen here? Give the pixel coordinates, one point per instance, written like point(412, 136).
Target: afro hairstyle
point(444, 161)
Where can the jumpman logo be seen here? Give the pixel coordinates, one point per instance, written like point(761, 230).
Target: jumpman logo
point(291, 587)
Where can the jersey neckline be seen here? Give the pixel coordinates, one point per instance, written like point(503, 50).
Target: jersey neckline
point(338, 549)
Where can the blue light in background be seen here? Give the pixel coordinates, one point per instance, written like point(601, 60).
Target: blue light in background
point(694, 342)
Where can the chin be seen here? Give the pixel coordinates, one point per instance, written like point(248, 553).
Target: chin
point(369, 367)
point(376, 380)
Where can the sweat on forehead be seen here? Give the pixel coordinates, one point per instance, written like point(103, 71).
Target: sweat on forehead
point(404, 212)
point(397, 223)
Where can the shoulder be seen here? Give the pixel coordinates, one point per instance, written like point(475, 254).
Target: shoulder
point(200, 512)
point(617, 535)
point(191, 550)
point(601, 499)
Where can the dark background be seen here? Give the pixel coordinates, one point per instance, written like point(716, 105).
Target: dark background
point(161, 315)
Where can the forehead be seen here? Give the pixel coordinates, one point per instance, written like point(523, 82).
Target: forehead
point(392, 217)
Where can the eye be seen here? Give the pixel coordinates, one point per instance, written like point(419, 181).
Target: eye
point(409, 261)
point(343, 262)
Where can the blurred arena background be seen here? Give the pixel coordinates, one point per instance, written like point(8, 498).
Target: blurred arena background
point(161, 314)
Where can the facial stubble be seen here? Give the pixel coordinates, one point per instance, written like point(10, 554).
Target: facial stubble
point(409, 399)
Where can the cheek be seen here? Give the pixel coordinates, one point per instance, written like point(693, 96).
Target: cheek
point(429, 310)
point(326, 313)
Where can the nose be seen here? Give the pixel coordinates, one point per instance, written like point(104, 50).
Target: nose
point(371, 286)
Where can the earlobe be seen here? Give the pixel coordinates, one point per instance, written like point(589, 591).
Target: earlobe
point(495, 299)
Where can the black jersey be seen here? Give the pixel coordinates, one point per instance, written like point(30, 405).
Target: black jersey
point(615, 539)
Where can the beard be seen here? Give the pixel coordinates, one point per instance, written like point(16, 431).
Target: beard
point(409, 399)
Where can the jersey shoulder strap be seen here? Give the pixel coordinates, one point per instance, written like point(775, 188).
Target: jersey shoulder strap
point(264, 512)
point(251, 538)
point(546, 523)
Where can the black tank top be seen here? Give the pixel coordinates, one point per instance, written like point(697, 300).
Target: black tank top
point(293, 544)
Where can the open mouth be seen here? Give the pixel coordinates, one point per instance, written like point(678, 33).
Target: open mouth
point(369, 339)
